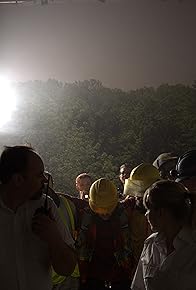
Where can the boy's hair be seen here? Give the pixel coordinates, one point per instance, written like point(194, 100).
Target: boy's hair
point(170, 195)
point(125, 165)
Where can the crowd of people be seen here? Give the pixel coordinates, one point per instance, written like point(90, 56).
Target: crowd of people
point(140, 236)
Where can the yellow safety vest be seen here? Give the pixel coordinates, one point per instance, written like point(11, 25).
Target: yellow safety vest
point(65, 205)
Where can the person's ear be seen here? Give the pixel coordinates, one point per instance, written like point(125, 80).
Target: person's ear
point(77, 186)
point(18, 179)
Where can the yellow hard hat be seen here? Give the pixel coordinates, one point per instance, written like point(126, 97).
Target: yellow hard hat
point(141, 177)
point(103, 196)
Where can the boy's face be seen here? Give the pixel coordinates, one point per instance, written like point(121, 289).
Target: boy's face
point(124, 174)
point(105, 217)
point(83, 184)
point(153, 218)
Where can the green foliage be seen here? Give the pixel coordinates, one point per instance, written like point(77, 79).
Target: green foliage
point(86, 127)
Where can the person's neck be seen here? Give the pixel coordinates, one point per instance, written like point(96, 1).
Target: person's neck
point(82, 194)
point(11, 198)
point(170, 233)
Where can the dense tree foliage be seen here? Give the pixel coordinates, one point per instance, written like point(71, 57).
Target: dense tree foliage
point(86, 127)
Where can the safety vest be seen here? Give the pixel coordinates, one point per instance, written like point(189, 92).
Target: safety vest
point(65, 207)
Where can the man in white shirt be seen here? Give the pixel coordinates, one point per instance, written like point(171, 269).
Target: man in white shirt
point(31, 241)
point(159, 271)
point(168, 259)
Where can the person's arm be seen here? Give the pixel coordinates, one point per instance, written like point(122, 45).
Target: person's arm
point(79, 203)
point(63, 257)
point(59, 241)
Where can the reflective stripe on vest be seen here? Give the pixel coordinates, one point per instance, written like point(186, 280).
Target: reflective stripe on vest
point(65, 206)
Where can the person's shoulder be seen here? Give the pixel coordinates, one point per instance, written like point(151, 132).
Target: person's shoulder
point(128, 202)
point(87, 218)
point(153, 237)
point(87, 212)
point(50, 201)
point(148, 246)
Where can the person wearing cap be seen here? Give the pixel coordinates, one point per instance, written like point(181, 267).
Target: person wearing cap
point(165, 162)
point(185, 173)
point(141, 177)
point(105, 253)
point(168, 259)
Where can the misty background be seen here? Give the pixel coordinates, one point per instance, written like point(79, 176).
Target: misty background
point(99, 84)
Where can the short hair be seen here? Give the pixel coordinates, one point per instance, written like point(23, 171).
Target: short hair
point(83, 176)
point(125, 165)
point(170, 195)
point(14, 159)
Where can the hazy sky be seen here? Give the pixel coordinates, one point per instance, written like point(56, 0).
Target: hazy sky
point(126, 44)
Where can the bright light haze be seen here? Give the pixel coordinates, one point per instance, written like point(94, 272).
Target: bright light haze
point(7, 101)
point(126, 44)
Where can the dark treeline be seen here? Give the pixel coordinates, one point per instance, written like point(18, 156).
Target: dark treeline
point(86, 127)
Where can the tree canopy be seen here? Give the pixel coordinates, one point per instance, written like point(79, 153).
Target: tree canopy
point(87, 127)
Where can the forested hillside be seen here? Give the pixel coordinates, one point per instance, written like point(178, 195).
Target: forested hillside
point(86, 127)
